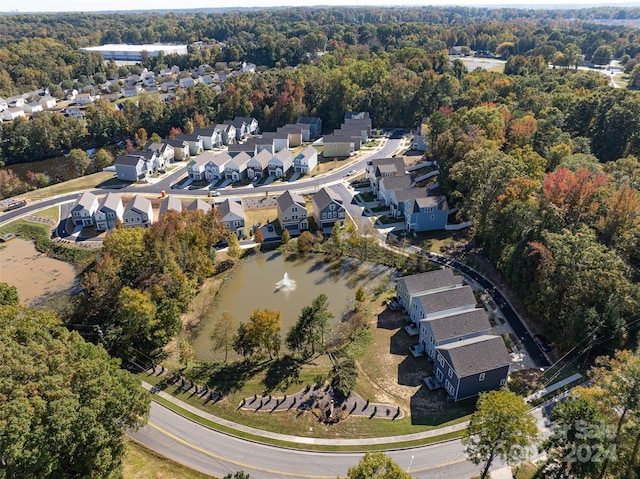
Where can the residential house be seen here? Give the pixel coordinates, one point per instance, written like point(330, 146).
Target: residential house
point(12, 113)
point(258, 165)
point(195, 142)
point(399, 198)
point(305, 161)
point(215, 168)
point(48, 102)
point(410, 287)
point(199, 205)
point(248, 67)
point(196, 167)
point(169, 203)
point(109, 211)
point(356, 115)
point(132, 80)
point(163, 150)
point(448, 329)
point(363, 124)
point(245, 126)
point(181, 148)
point(292, 212)
point(3, 104)
point(358, 136)
point(206, 79)
point(209, 137)
point(236, 169)
point(294, 134)
point(186, 82)
point(248, 147)
point(131, 91)
point(420, 137)
point(138, 212)
point(155, 161)
point(442, 303)
point(16, 101)
point(149, 80)
point(168, 86)
point(335, 146)
point(131, 167)
point(470, 366)
point(328, 209)
point(314, 125)
point(84, 98)
point(280, 163)
point(74, 113)
point(70, 94)
point(426, 214)
point(232, 216)
point(226, 133)
point(278, 141)
point(83, 209)
point(392, 183)
point(384, 167)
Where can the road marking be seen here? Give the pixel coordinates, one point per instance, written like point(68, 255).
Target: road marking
point(237, 463)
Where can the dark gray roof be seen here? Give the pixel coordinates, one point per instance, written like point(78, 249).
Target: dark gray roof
point(476, 355)
point(128, 160)
point(159, 147)
point(175, 143)
point(431, 280)
point(309, 120)
point(288, 199)
point(204, 131)
point(186, 137)
point(396, 182)
point(170, 203)
point(410, 194)
point(337, 139)
point(450, 327)
point(230, 206)
point(324, 196)
point(439, 202)
point(434, 303)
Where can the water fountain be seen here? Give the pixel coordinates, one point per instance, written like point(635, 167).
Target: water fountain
point(286, 284)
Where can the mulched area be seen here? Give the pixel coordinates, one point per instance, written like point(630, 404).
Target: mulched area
point(261, 202)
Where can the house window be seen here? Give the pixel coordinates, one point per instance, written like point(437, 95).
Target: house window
point(433, 217)
point(286, 218)
point(237, 223)
point(294, 217)
point(502, 381)
point(441, 360)
point(429, 209)
point(433, 340)
point(332, 207)
point(449, 387)
point(450, 373)
point(481, 377)
point(324, 216)
point(294, 210)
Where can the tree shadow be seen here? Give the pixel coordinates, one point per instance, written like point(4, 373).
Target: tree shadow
point(231, 377)
point(282, 373)
point(433, 408)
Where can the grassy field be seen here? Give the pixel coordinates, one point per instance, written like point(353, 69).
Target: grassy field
point(82, 183)
point(260, 216)
point(52, 213)
point(142, 463)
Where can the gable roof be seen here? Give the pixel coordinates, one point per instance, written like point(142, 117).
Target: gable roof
point(175, 143)
point(128, 160)
point(284, 156)
point(198, 204)
point(476, 355)
point(241, 158)
point(170, 203)
point(221, 159)
point(159, 147)
point(439, 202)
point(324, 196)
point(431, 280)
point(396, 182)
point(410, 194)
point(86, 200)
point(454, 326)
point(186, 137)
point(288, 199)
point(139, 203)
point(397, 164)
point(309, 120)
point(204, 131)
point(440, 301)
point(200, 160)
point(230, 206)
point(111, 202)
point(263, 158)
point(307, 152)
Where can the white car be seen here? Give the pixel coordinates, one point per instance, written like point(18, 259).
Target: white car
point(215, 193)
point(351, 172)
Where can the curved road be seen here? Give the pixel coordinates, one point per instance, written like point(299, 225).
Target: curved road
point(218, 454)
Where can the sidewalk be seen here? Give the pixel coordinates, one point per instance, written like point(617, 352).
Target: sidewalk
point(304, 440)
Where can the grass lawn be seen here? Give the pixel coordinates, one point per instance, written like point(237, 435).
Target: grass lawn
point(328, 164)
point(260, 216)
point(82, 183)
point(52, 213)
point(387, 220)
point(436, 240)
point(143, 463)
point(366, 196)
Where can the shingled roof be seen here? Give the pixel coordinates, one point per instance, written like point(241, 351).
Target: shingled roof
point(476, 355)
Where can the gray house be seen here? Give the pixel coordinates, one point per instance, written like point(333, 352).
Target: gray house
point(306, 160)
point(109, 211)
point(83, 210)
point(280, 163)
point(215, 167)
point(327, 209)
point(199, 205)
point(292, 212)
point(138, 212)
point(442, 303)
point(196, 167)
point(392, 183)
point(131, 167)
point(258, 165)
point(236, 168)
point(384, 167)
point(312, 125)
point(209, 137)
point(398, 199)
point(448, 329)
point(410, 287)
point(468, 367)
point(169, 203)
point(195, 142)
point(232, 216)
point(180, 148)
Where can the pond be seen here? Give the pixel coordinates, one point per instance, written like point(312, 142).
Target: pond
point(260, 282)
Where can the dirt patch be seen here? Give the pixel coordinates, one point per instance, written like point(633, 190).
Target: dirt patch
point(35, 275)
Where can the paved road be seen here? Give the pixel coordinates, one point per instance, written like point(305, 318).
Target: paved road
point(509, 313)
point(218, 454)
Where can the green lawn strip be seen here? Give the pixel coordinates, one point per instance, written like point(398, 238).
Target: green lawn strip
point(39, 234)
point(77, 184)
point(52, 213)
point(304, 447)
point(141, 462)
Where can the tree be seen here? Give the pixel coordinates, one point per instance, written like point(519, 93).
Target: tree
point(603, 55)
point(186, 353)
point(360, 295)
point(500, 427)
point(81, 161)
point(376, 465)
point(345, 374)
point(634, 78)
point(310, 328)
point(8, 295)
point(223, 334)
point(286, 236)
point(140, 138)
point(261, 332)
point(66, 404)
point(258, 237)
point(234, 250)
point(101, 160)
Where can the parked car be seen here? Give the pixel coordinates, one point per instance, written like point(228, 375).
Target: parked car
point(351, 172)
point(543, 343)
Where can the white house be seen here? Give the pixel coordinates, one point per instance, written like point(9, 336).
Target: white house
point(83, 210)
point(12, 113)
point(48, 102)
point(232, 216)
point(236, 169)
point(109, 211)
point(305, 161)
point(258, 165)
point(280, 163)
